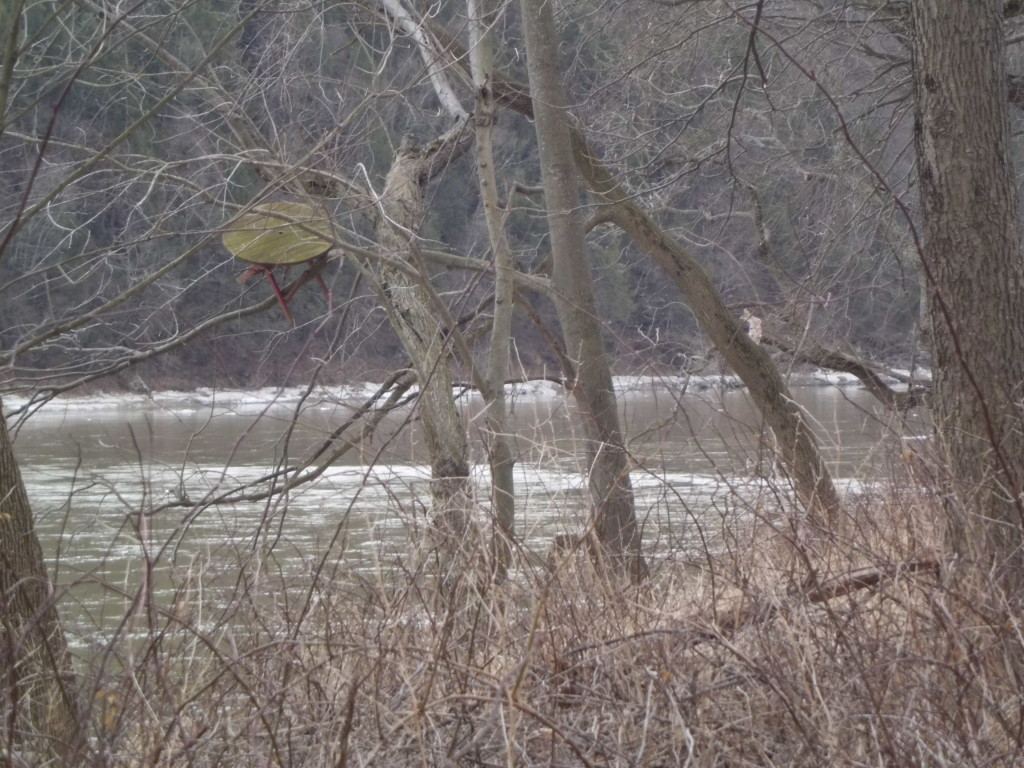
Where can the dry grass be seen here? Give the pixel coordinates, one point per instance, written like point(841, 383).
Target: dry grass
point(739, 659)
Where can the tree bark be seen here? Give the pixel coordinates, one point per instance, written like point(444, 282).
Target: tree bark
point(408, 304)
point(500, 441)
point(971, 258)
point(38, 715)
point(613, 516)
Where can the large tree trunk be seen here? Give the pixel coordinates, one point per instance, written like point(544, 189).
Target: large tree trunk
point(971, 257)
point(408, 303)
point(37, 706)
point(614, 518)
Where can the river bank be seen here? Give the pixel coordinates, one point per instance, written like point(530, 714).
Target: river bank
point(244, 400)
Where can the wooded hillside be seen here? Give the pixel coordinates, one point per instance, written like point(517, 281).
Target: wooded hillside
point(783, 159)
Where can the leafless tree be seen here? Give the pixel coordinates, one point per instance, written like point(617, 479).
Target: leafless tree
point(971, 257)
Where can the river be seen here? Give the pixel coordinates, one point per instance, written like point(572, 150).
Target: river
point(104, 474)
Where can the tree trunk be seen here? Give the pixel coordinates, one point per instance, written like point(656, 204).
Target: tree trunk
point(971, 257)
point(797, 444)
point(38, 716)
point(408, 304)
point(614, 518)
point(500, 442)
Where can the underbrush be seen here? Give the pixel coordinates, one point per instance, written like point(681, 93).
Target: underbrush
point(783, 648)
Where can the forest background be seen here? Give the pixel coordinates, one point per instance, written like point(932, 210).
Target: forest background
point(768, 171)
